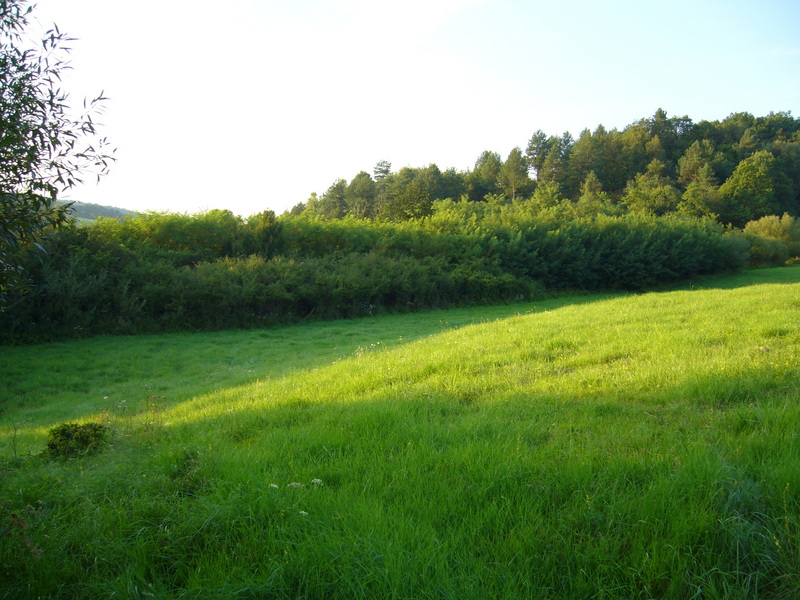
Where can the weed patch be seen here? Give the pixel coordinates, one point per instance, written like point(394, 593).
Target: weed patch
point(73, 439)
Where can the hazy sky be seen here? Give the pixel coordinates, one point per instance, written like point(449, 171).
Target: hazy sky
point(254, 104)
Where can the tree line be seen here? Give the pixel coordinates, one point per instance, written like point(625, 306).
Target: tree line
point(735, 170)
point(159, 272)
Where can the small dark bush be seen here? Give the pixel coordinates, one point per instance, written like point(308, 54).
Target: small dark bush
point(74, 439)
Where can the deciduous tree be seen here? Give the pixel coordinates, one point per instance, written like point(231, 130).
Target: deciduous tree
point(513, 175)
point(484, 178)
point(44, 148)
point(652, 192)
point(756, 188)
point(408, 196)
point(360, 196)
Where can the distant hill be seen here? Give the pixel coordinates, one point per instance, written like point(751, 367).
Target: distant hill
point(87, 212)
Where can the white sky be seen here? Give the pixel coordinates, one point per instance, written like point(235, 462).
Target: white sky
point(254, 104)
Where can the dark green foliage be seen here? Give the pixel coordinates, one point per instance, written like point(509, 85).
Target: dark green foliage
point(333, 204)
point(260, 235)
point(103, 279)
point(74, 439)
point(360, 196)
point(485, 178)
point(408, 194)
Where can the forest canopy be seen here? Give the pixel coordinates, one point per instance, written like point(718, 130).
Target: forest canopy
point(735, 170)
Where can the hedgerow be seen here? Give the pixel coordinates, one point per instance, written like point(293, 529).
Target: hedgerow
point(166, 273)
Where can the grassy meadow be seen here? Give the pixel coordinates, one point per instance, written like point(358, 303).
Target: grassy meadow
point(599, 446)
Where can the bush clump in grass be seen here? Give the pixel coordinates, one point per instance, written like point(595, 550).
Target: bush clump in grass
point(75, 439)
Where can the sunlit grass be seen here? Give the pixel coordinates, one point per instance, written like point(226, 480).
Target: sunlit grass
point(640, 446)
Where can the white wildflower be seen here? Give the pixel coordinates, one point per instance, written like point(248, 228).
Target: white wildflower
point(316, 482)
point(273, 486)
point(295, 484)
point(303, 513)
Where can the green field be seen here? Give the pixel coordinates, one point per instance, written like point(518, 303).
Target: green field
point(625, 446)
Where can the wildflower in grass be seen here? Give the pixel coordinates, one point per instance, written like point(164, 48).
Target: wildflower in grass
point(303, 513)
point(273, 486)
point(295, 484)
point(316, 482)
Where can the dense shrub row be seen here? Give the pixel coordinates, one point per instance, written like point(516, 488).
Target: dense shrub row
point(74, 298)
point(176, 272)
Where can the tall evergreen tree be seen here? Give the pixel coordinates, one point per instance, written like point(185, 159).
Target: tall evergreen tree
point(748, 144)
point(582, 161)
point(547, 195)
point(698, 155)
point(593, 200)
point(554, 167)
point(333, 203)
point(633, 157)
point(702, 197)
point(536, 152)
point(382, 170)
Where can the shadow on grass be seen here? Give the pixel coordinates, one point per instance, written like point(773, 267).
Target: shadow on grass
point(774, 275)
point(75, 378)
point(375, 454)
